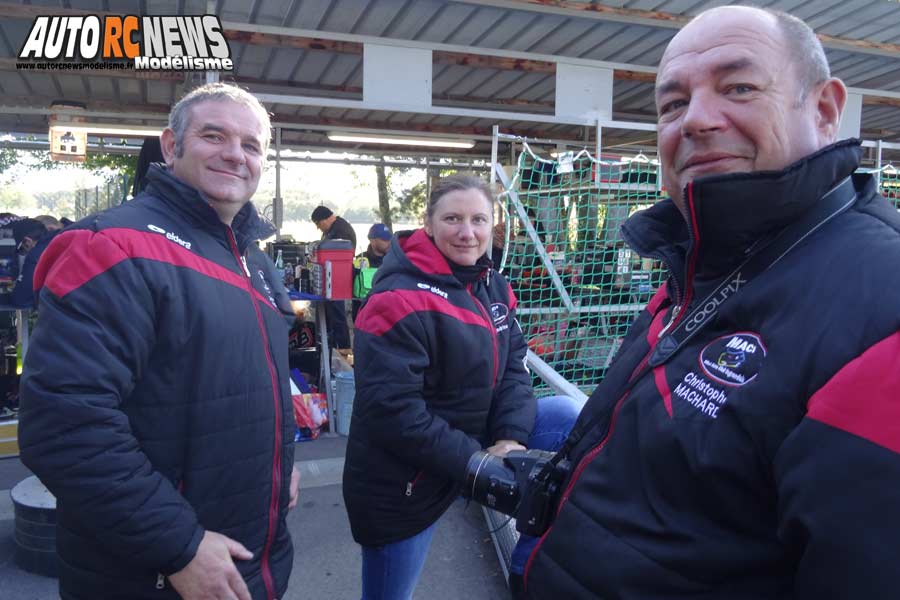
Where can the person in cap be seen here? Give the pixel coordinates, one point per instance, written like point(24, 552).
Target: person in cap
point(334, 227)
point(156, 400)
point(366, 263)
point(379, 242)
point(744, 442)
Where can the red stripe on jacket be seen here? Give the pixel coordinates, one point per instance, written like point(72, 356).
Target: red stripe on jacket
point(386, 309)
point(861, 398)
point(74, 258)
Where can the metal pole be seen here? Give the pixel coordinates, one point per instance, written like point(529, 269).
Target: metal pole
point(495, 142)
point(878, 162)
point(598, 150)
point(212, 76)
point(278, 202)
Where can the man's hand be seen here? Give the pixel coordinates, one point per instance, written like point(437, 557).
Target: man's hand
point(211, 574)
point(295, 487)
point(501, 447)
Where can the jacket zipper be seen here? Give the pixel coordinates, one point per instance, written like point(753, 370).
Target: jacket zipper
point(638, 371)
point(276, 460)
point(160, 581)
point(490, 325)
point(411, 484)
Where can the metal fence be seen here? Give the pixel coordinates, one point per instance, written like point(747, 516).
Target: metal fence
point(95, 199)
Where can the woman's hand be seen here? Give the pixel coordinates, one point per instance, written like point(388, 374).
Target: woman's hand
point(501, 447)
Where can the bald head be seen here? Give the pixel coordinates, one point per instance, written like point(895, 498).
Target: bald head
point(797, 39)
point(742, 89)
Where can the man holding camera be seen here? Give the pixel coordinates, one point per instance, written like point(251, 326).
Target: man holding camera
point(745, 442)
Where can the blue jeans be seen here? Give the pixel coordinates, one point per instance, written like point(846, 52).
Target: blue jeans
point(390, 572)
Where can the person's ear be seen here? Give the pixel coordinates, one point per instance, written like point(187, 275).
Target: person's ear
point(428, 228)
point(167, 144)
point(831, 96)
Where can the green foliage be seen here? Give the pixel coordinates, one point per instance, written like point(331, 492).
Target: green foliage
point(8, 158)
point(122, 164)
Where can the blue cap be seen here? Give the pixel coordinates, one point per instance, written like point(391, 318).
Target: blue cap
point(379, 231)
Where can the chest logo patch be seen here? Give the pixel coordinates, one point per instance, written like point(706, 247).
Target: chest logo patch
point(733, 359)
point(499, 312)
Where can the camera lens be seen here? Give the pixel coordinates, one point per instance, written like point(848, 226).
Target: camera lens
point(491, 483)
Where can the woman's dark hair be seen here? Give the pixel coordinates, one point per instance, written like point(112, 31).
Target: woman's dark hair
point(456, 183)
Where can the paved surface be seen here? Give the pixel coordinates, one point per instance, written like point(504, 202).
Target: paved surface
point(462, 563)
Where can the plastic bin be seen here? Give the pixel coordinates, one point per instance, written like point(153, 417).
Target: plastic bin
point(344, 391)
point(333, 275)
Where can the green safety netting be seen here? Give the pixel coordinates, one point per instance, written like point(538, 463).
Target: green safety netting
point(578, 285)
point(890, 184)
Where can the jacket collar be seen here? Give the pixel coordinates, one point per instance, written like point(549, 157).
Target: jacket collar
point(731, 212)
point(415, 252)
point(248, 225)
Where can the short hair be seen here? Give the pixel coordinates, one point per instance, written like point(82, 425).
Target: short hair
point(179, 118)
point(320, 213)
point(805, 50)
point(49, 221)
point(455, 183)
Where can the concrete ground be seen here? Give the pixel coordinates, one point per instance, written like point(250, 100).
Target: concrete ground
point(462, 563)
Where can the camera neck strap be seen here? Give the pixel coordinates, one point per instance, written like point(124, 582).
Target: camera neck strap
point(834, 202)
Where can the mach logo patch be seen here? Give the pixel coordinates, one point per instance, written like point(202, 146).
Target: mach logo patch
point(157, 43)
point(733, 359)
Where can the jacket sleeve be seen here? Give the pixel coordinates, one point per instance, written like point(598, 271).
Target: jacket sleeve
point(90, 346)
point(391, 357)
point(514, 407)
point(836, 476)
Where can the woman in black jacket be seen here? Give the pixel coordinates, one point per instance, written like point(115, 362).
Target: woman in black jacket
point(440, 374)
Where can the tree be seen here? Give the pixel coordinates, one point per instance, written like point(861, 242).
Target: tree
point(384, 199)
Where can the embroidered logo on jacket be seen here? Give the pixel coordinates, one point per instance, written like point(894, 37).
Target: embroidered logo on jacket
point(169, 236)
point(432, 289)
point(499, 312)
point(733, 359)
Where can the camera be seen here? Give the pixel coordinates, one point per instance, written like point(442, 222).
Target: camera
point(524, 484)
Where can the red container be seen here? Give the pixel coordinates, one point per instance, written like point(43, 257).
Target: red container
point(333, 278)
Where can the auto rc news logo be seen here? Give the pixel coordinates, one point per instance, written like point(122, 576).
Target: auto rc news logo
point(173, 43)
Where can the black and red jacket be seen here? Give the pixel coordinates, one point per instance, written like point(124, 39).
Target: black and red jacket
point(763, 460)
point(155, 395)
point(440, 373)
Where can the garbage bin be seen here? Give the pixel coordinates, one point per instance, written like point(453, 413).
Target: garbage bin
point(35, 527)
point(345, 390)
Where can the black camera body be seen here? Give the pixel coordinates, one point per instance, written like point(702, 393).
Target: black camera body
point(524, 484)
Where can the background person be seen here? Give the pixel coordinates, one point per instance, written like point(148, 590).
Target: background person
point(32, 238)
point(334, 227)
point(440, 374)
point(156, 405)
point(366, 263)
point(759, 458)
